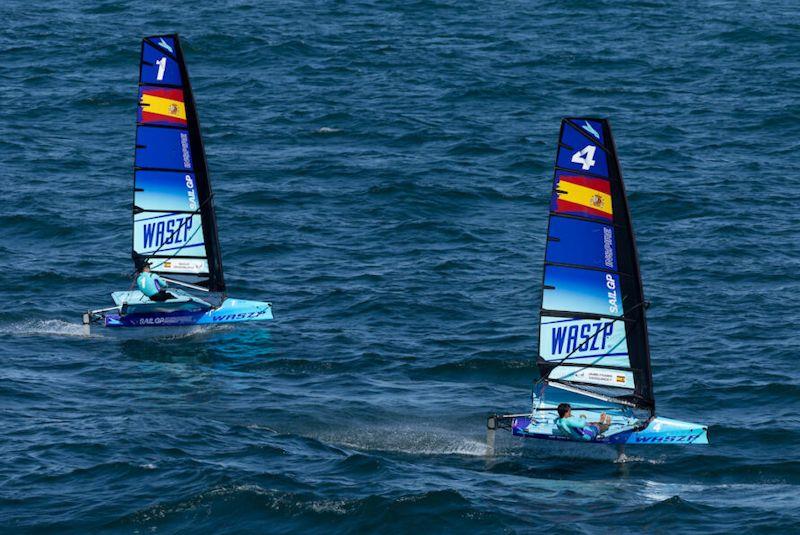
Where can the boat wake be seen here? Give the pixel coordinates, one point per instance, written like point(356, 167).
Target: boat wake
point(45, 328)
point(162, 333)
point(61, 328)
point(408, 441)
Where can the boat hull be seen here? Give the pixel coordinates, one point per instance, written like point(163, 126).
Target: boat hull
point(658, 431)
point(230, 311)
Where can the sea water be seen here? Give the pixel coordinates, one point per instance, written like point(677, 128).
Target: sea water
point(382, 173)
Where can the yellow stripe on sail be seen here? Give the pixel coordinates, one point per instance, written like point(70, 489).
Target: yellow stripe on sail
point(591, 198)
point(163, 106)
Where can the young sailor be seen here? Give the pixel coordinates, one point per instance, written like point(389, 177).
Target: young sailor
point(577, 428)
point(152, 285)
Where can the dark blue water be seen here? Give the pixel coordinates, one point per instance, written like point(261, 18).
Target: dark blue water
point(382, 172)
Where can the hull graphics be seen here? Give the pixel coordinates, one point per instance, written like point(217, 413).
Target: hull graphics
point(658, 431)
point(231, 311)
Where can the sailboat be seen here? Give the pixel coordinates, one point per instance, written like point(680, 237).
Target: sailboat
point(174, 224)
point(594, 352)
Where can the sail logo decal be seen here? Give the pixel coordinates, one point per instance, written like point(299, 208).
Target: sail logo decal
point(586, 337)
point(667, 439)
point(611, 284)
point(172, 231)
point(591, 375)
point(608, 247)
point(585, 196)
point(164, 44)
point(187, 159)
point(185, 265)
point(158, 105)
point(239, 316)
point(190, 193)
point(588, 127)
point(165, 320)
point(584, 340)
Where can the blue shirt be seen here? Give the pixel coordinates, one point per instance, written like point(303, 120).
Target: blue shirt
point(150, 283)
point(571, 426)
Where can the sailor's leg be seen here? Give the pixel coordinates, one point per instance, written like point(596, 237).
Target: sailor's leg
point(161, 296)
point(602, 426)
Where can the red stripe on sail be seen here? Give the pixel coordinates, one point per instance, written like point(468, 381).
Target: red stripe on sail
point(148, 117)
point(574, 208)
point(598, 184)
point(163, 92)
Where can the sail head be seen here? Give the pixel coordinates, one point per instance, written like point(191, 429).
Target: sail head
point(174, 223)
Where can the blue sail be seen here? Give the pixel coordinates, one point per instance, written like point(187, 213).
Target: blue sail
point(592, 329)
point(174, 223)
point(593, 349)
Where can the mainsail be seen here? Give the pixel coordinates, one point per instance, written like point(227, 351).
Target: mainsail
point(593, 332)
point(174, 225)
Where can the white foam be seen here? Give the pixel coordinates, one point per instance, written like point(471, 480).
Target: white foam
point(635, 459)
point(337, 507)
point(412, 441)
point(45, 327)
point(64, 328)
point(328, 130)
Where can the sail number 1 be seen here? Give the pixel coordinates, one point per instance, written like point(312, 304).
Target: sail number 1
point(162, 66)
point(585, 156)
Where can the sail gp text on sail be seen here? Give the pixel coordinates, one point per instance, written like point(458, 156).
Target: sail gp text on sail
point(611, 284)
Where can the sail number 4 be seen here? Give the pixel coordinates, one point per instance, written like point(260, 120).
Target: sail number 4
point(162, 65)
point(585, 156)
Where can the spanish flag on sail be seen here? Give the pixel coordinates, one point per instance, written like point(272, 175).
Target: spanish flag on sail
point(581, 195)
point(159, 105)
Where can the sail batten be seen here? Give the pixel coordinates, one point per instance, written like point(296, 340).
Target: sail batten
point(174, 223)
point(592, 330)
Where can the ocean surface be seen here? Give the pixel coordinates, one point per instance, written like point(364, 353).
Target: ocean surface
point(382, 173)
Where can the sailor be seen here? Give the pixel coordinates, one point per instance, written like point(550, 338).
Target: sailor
point(577, 428)
point(152, 285)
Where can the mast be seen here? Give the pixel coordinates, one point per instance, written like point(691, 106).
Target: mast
point(593, 330)
point(174, 222)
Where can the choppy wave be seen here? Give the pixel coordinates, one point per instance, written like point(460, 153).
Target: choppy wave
point(382, 174)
